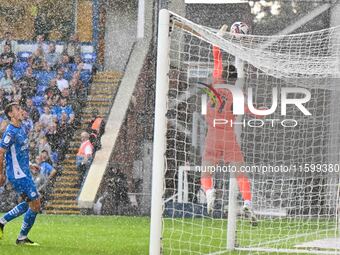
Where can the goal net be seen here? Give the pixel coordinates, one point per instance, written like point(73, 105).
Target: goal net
point(290, 157)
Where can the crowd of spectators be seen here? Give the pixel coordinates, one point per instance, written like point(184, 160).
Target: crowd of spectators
point(51, 88)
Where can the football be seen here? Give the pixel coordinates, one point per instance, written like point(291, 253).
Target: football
point(239, 28)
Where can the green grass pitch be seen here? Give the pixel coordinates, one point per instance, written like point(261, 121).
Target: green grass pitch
point(104, 235)
point(80, 235)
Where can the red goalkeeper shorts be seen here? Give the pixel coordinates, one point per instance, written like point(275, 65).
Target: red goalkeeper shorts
point(221, 144)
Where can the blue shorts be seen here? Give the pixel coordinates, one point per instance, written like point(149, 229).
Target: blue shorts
point(26, 188)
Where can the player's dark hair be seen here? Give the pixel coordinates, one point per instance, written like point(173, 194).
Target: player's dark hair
point(9, 108)
point(229, 72)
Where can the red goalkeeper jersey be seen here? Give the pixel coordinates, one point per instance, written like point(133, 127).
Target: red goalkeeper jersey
point(220, 142)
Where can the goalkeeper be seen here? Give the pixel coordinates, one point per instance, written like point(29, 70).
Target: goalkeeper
point(221, 142)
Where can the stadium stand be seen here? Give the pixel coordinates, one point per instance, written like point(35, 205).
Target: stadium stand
point(54, 115)
point(63, 199)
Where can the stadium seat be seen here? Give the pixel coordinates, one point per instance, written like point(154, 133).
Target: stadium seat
point(50, 75)
point(24, 55)
point(89, 58)
point(38, 101)
point(43, 82)
point(44, 77)
point(18, 75)
point(20, 67)
point(37, 74)
point(54, 157)
point(68, 75)
point(73, 67)
point(41, 90)
point(85, 77)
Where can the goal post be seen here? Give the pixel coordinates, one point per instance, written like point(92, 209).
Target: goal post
point(159, 144)
point(291, 156)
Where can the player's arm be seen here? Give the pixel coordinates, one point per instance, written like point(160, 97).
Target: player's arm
point(217, 54)
point(5, 143)
point(2, 173)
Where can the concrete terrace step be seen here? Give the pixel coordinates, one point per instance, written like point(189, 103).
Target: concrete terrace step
point(67, 178)
point(61, 189)
point(65, 195)
point(104, 84)
point(61, 207)
point(107, 76)
point(99, 104)
point(88, 111)
point(70, 171)
point(107, 95)
point(71, 160)
point(65, 184)
point(63, 201)
point(88, 116)
point(77, 212)
point(99, 99)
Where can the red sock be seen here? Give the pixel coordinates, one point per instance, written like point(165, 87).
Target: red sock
point(206, 183)
point(244, 186)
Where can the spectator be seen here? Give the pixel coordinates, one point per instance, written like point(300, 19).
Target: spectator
point(73, 47)
point(65, 93)
point(65, 64)
point(61, 82)
point(51, 103)
point(35, 136)
point(45, 157)
point(64, 128)
point(79, 63)
point(3, 123)
point(17, 93)
point(85, 154)
point(39, 180)
point(64, 108)
point(28, 83)
point(52, 57)
point(53, 138)
point(32, 110)
point(44, 177)
point(7, 57)
point(96, 128)
point(3, 100)
point(27, 123)
point(8, 40)
point(46, 119)
point(52, 92)
point(76, 97)
point(46, 169)
point(38, 60)
point(6, 83)
point(40, 44)
point(44, 146)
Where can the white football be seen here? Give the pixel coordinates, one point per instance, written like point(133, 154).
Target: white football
point(239, 28)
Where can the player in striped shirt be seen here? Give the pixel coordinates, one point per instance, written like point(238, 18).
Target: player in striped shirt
point(14, 146)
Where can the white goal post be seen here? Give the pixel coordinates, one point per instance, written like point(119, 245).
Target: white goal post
point(292, 159)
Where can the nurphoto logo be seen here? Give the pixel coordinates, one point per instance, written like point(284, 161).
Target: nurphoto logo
point(286, 99)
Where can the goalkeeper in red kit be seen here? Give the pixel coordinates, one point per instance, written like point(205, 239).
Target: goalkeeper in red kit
point(221, 142)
